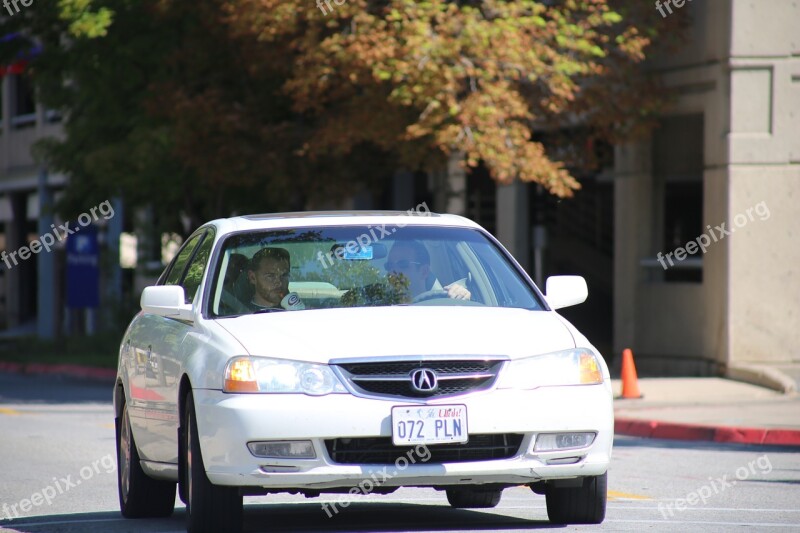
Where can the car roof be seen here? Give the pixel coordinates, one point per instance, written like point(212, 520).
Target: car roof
point(339, 218)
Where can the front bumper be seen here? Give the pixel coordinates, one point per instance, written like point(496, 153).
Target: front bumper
point(227, 422)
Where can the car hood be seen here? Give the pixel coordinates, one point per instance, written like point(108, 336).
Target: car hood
point(325, 334)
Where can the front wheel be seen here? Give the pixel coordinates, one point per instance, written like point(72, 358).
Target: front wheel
point(140, 496)
point(209, 508)
point(578, 505)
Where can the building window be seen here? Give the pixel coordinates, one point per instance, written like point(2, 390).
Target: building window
point(52, 116)
point(678, 196)
point(23, 103)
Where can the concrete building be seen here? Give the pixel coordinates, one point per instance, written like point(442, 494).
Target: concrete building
point(33, 281)
point(728, 153)
point(29, 288)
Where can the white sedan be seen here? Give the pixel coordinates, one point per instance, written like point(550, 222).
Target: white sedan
point(356, 353)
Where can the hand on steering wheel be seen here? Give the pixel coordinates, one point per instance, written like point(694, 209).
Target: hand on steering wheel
point(457, 292)
point(430, 295)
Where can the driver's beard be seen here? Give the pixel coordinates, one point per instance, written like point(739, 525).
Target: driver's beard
point(274, 297)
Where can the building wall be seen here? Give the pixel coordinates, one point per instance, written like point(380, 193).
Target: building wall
point(747, 89)
point(764, 168)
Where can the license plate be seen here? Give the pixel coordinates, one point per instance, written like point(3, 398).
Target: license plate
point(429, 424)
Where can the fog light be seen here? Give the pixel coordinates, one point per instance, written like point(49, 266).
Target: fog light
point(283, 449)
point(548, 442)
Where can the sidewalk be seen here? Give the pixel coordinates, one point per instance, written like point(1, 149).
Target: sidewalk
point(711, 409)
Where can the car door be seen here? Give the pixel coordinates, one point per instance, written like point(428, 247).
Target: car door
point(151, 339)
point(170, 353)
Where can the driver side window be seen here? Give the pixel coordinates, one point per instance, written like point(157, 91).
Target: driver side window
point(197, 267)
point(175, 270)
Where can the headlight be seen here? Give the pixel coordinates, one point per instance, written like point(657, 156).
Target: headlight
point(570, 367)
point(261, 374)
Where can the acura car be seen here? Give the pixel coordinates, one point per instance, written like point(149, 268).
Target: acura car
point(354, 353)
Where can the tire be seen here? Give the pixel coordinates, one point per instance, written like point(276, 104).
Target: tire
point(182, 464)
point(140, 496)
point(209, 508)
point(578, 505)
point(474, 498)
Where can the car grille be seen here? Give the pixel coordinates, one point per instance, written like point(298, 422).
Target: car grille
point(380, 450)
point(393, 379)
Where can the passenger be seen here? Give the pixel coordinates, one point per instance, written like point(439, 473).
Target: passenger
point(410, 262)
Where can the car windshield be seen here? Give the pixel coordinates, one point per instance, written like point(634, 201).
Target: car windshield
point(361, 266)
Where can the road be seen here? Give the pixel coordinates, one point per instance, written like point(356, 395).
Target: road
point(57, 446)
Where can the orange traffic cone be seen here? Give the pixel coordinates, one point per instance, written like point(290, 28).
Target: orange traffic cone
point(630, 382)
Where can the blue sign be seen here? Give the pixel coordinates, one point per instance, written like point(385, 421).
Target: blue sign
point(83, 268)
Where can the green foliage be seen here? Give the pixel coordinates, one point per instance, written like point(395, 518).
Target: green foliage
point(83, 21)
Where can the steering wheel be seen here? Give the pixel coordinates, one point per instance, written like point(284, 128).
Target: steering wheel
point(430, 295)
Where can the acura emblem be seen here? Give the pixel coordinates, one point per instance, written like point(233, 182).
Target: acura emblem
point(424, 380)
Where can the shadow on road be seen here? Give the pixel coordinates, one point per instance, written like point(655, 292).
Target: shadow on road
point(285, 518)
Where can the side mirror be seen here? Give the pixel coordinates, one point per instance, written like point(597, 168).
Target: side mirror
point(564, 291)
point(167, 301)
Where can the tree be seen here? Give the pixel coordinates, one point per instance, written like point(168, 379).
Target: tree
point(207, 107)
point(435, 77)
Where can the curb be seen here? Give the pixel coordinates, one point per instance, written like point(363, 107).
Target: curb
point(654, 429)
point(77, 371)
point(762, 375)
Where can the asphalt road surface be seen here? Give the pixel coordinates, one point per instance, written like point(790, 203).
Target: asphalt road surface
point(58, 474)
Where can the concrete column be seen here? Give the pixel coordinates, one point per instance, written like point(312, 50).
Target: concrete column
point(512, 221)
point(5, 121)
point(113, 235)
point(456, 185)
point(450, 186)
point(403, 190)
point(46, 296)
point(632, 220)
point(148, 249)
point(16, 304)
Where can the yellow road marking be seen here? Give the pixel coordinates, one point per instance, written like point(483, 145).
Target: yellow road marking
point(616, 495)
point(7, 411)
point(109, 426)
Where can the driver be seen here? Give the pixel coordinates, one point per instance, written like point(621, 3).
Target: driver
point(411, 262)
point(269, 274)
